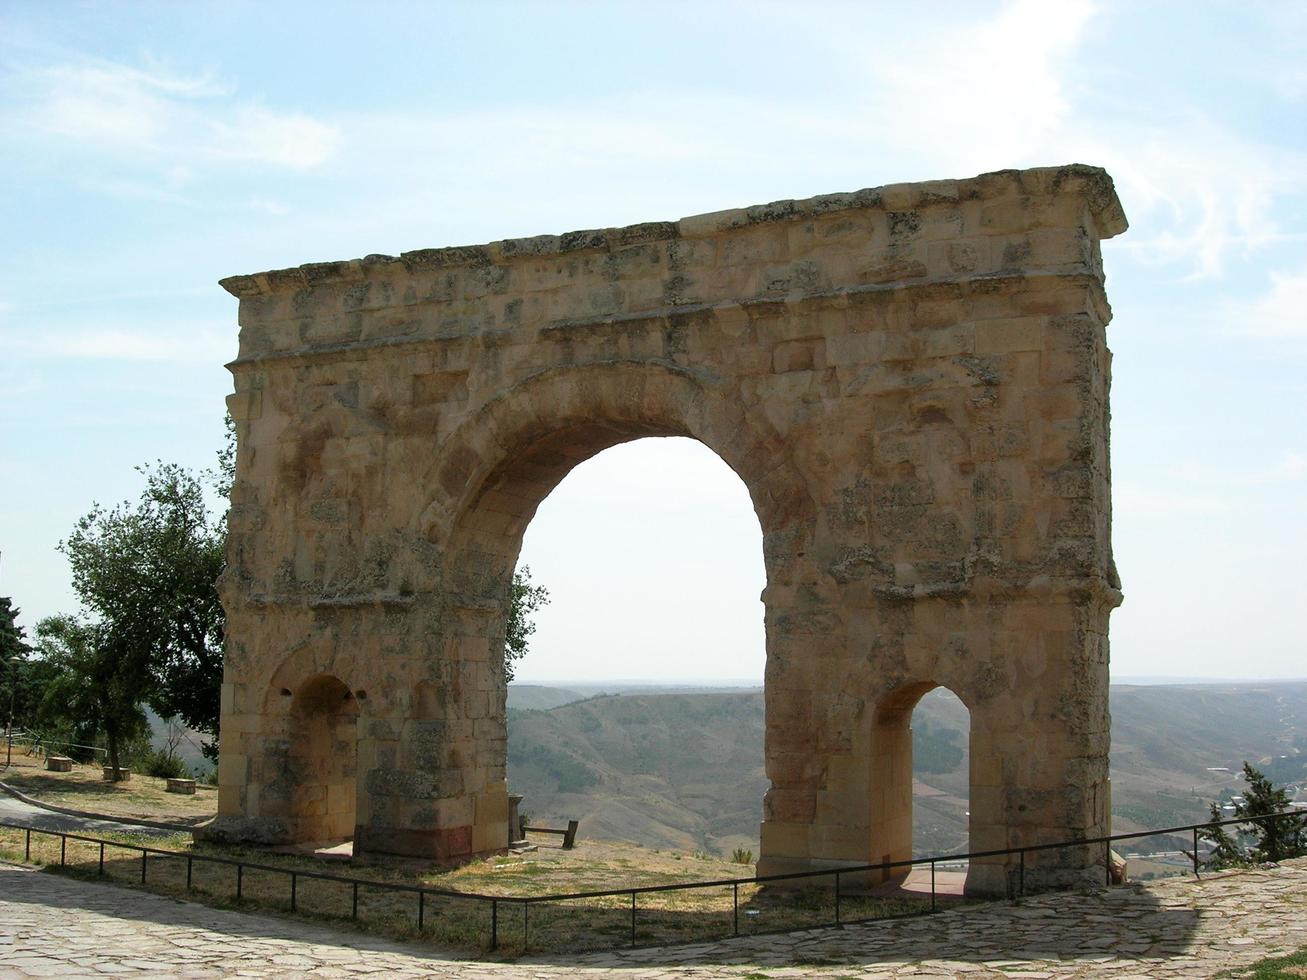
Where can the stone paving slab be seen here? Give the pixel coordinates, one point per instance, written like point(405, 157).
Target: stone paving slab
point(51, 925)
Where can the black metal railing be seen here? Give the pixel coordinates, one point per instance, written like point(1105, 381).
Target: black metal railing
point(425, 904)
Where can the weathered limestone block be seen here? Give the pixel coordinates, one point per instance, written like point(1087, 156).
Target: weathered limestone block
point(912, 381)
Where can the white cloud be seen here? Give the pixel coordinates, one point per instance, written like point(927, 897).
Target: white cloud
point(173, 122)
point(1197, 192)
point(267, 206)
point(989, 92)
point(1290, 468)
point(1010, 89)
point(207, 344)
point(291, 140)
point(1280, 313)
point(137, 190)
point(1138, 500)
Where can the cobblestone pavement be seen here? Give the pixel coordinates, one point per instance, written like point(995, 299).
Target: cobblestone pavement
point(56, 926)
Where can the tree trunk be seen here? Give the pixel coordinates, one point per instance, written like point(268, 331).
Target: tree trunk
point(111, 735)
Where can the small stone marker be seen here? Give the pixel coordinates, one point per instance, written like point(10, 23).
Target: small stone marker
point(124, 774)
point(516, 837)
point(184, 786)
point(59, 763)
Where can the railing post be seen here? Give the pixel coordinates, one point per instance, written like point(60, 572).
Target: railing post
point(735, 904)
point(526, 925)
point(1196, 874)
point(293, 882)
point(932, 886)
point(63, 848)
point(632, 917)
point(1107, 863)
point(190, 862)
point(494, 924)
point(240, 880)
point(837, 898)
point(99, 870)
point(144, 855)
point(354, 912)
point(1021, 876)
point(27, 854)
point(422, 908)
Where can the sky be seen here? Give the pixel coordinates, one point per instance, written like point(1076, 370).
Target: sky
point(149, 150)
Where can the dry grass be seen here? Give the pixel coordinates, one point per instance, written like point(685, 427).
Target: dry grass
point(465, 923)
point(448, 921)
point(84, 788)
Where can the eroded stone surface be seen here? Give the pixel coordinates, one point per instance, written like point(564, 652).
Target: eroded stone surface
point(912, 382)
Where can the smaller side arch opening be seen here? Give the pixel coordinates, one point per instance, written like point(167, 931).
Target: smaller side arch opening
point(922, 772)
point(323, 761)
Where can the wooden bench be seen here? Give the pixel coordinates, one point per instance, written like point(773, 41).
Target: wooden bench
point(183, 786)
point(59, 763)
point(568, 835)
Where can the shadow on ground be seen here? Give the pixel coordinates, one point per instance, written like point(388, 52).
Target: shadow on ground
point(1122, 923)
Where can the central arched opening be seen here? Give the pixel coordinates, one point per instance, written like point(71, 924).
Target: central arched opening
point(490, 478)
point(323, 756)
point(639, 708)
point(653, 556)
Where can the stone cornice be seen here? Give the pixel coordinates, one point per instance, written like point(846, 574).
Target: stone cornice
point(1094, 182)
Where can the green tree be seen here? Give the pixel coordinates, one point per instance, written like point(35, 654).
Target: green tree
point(94, 682)
point(13, 661)
point(12, 638)
point(524, 600)
point(1263, 840)
point(225, 475)
point(188, 548)
point(146, 574)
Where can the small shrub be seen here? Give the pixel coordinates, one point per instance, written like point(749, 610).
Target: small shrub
point(163, 765)
point(742, 856)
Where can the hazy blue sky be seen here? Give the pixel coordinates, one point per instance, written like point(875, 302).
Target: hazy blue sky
point(149, 150)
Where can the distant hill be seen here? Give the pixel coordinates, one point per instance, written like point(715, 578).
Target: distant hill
point(1170, 743)
point(685, 770)
point(666, 770)
point(536, 697)
point(185, 742)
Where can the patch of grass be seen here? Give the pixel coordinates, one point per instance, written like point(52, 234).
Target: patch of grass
point(1291, 967)
point(83, 788)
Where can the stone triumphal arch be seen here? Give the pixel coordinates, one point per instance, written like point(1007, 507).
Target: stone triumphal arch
point(912, 382)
